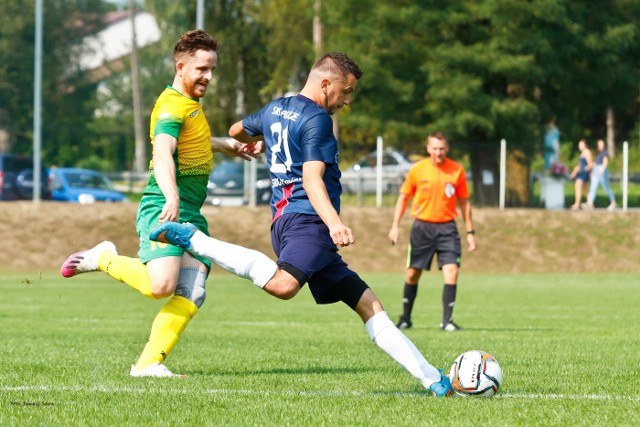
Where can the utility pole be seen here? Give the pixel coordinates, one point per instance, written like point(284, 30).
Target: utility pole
point(140, 157)
point(610, 142)
point(317, 28)
point(200, 15)
point(319, 50)
point(37, 106)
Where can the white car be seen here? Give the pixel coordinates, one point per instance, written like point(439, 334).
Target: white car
point(361, 177)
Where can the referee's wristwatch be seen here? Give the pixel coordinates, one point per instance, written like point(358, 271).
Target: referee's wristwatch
point(471, 231)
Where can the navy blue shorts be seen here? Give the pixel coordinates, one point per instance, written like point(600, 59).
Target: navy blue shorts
point(305, 249)
point(429, 238)
point(583, 176)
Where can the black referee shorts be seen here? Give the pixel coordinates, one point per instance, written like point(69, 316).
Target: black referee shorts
point(429, 238)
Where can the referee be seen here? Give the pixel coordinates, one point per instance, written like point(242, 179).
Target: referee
point(434, 183)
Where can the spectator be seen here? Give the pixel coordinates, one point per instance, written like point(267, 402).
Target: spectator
point(551, 145)
point(600, 176)
point(581, 172)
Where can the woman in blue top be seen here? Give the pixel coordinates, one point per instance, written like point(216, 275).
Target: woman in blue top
point(581, 172)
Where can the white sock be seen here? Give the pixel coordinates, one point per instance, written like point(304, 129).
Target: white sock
point(393, 342)
point(243, 262)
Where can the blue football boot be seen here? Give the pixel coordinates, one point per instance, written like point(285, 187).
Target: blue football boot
point(441, 388)
point(174, 233)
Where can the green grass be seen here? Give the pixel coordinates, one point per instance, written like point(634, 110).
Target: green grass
point(568, 345)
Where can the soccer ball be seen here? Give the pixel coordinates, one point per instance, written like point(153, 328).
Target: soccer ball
point(475, 373)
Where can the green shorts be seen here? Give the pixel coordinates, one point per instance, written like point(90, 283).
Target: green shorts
point(149, 211)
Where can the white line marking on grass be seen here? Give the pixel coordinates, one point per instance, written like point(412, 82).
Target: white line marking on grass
point(336, 393)
point(554, 396)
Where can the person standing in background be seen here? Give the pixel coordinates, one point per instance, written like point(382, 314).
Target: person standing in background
point(551, 145)
point(581, 172)
point(435, 184)
point(600, 176)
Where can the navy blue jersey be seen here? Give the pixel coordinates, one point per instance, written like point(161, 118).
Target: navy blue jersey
point(296, 130)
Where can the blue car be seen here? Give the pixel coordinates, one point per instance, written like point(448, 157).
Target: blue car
point(16, 178)
point(82, 186)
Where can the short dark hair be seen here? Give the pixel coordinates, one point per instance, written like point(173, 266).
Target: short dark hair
point(345, 65)
point(438, 135)
point(193, 41)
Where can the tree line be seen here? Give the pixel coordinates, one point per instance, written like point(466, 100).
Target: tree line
point(479, 70)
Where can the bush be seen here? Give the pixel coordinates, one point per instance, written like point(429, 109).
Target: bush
point(94, 162)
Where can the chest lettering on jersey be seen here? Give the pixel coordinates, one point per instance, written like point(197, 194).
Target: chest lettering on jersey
point(285, 114)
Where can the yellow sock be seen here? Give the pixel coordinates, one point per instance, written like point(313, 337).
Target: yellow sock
point(130, 271)
point(166, 330)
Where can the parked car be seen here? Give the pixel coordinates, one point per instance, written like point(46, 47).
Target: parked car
point(83, 186)
point(227, 183)
point(16, 178)
point(361, 177)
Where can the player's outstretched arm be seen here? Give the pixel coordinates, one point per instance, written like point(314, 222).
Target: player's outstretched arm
point(237, 132)
point(232, 147)
point(317, 192)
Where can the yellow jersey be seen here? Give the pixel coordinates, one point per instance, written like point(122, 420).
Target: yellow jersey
point(183, 118)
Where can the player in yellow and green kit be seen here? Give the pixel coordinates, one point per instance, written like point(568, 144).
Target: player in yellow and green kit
point(177, 188)
point(184, 160)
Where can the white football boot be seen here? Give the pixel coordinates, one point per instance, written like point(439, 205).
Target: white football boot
point(86, 261)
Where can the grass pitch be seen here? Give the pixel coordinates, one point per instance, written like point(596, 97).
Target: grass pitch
point(568, 346)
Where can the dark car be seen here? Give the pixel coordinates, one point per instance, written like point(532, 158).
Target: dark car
point(227, 183)
point(83, 186)
point(16, 178)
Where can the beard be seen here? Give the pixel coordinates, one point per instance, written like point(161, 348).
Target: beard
point(198, 89)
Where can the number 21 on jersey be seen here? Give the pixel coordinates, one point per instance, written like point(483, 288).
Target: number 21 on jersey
point(281, 136)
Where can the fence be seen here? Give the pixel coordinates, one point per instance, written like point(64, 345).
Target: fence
point(385, 185)
point(552, 189)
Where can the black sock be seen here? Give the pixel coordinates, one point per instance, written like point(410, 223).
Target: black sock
point(448, 301)
point(410, 292)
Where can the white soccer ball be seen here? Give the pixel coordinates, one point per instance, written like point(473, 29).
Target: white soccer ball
point(475, 373)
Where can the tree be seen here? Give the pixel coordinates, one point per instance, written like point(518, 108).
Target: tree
point(478, 70)
point(483, 71)
point(68, 96)
point(387, 39)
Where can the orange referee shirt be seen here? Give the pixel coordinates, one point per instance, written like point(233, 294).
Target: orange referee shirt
point(435, 190)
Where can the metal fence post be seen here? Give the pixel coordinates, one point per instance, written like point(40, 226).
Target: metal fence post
point(625, 175)
point(379, 148)
point(503, 172)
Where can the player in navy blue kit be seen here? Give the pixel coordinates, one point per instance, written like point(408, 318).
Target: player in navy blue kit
point(302, 156)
